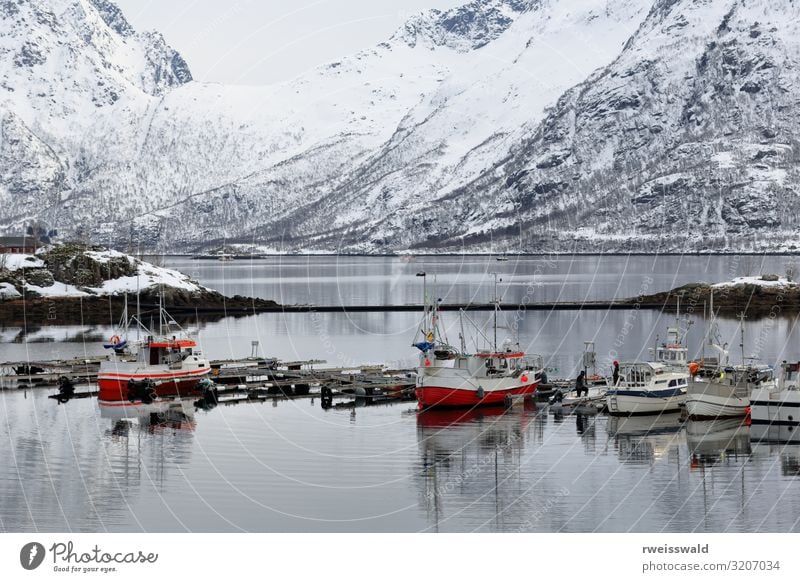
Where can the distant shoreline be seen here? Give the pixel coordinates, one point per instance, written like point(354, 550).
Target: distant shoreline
point(510, 257)
point(38, 311)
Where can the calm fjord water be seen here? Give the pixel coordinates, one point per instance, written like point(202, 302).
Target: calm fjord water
point(291, 466)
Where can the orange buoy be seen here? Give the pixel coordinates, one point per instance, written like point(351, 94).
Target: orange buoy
point(524, 378)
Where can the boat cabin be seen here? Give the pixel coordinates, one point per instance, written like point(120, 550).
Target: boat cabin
point(165, 351)
point(672, 351)
point(656, 374)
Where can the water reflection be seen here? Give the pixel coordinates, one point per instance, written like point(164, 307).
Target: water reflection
point(645, 439)
point(175, 415)
point(475, 454)
point(780, 441)
point(717, 441)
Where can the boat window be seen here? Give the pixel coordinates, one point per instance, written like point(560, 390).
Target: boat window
point(673, 383)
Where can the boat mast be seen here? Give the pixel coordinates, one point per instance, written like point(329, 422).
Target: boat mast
point(741, 328)
point(496, 307)
point(427, 313)
point(138, 307)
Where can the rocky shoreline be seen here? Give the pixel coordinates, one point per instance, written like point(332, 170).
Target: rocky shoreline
point(767, 296)
point(107, 310)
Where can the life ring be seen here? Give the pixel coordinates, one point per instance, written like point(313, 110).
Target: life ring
point(115, 339)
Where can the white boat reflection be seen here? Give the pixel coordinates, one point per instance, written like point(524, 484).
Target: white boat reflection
point(175, 414)
point(645, 439)
point(713, 441)
point(779, 441)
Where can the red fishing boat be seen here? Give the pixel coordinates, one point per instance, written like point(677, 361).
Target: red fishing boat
point(447, 376)
point(157, 365)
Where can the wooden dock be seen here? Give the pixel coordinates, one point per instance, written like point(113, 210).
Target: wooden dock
point(235, 381)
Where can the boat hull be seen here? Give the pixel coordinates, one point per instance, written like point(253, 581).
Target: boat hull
point(781, 408)
point(706, 407)
point(441, 396)
point(114, 385)
point(628, 403)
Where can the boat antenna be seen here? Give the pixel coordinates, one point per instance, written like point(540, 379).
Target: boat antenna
point(741, 329)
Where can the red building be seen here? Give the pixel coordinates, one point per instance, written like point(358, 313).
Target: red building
point(17, 244)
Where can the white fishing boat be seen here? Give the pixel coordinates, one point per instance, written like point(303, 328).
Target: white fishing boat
point(778, 404)
point(723, 391)
point(647, 388)
point(728, 394)
point(447, 376)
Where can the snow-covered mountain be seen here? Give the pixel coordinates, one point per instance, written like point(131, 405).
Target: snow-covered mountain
point(500, 124)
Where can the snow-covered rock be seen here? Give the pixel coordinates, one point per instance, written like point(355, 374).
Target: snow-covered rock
point(74, 271)
point(762, 281)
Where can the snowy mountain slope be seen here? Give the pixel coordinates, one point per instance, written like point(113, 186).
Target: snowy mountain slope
point(498, 124)
point(65, 66)
point(381, 133)
point(690, 137)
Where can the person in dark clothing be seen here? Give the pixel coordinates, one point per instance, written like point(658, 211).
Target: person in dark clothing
point(615, 373)
point(580, 384)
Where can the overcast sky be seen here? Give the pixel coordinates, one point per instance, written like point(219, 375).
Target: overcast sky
point(261, 41)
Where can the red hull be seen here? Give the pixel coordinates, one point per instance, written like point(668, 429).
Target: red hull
point(116, 389)
point(431, 396)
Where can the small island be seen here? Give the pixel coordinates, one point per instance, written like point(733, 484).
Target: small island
point(755, 296)
point(79, 283)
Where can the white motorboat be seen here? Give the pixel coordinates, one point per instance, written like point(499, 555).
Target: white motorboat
point(648, 388)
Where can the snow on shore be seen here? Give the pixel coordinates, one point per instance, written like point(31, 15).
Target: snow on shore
point(757, 281)
point(148, 277)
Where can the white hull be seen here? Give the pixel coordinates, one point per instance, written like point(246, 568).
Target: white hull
point(776, 407)
point(711, 406)
point(628, 405)
point(595, 396)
